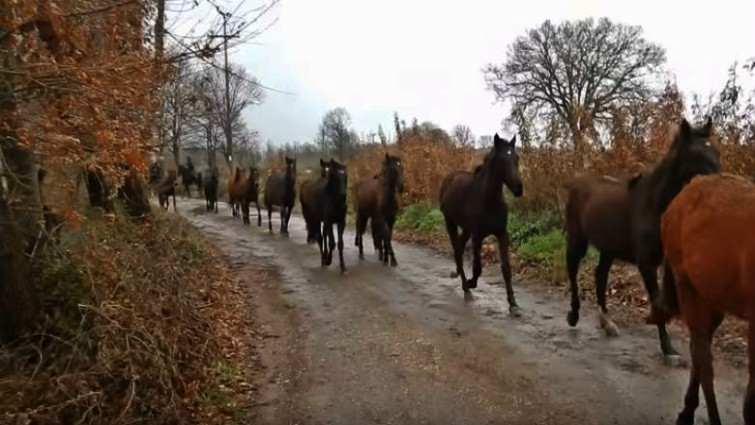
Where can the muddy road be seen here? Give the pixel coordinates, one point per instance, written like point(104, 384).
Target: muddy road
point(403, 346)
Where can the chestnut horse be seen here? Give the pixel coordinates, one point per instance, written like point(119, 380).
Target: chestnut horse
point(244, 191)
point(280, 190)
point(376, 200)
point(622, 220)
point(234, 187)
point(306, 189)
point(709, 244)
point(474, 202)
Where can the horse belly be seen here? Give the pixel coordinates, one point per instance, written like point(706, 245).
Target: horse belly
point(606, 226)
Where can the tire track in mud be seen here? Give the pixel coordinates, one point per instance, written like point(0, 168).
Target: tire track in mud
point(403, 346)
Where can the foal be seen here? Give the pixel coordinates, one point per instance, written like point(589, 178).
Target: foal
point(622, 220)
point(474, 202)
point(709, 245)
point(280, 190)
point(306, 191)
point(376, 200)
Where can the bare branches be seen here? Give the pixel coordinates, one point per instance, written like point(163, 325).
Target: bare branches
point(575, 70)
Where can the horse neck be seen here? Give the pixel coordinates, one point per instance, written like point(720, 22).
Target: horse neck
point(669, 183)
point(491, 186)
point(388, 189)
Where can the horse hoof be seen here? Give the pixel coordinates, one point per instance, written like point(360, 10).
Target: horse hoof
point(472, 284)
point(515, 311)
point(572, 318)
point(608, 326)
point(673, 360)
point(453, 275)
point(394, 263)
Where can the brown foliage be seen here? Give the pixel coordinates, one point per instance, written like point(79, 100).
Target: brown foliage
point(144, 344)
point(425, 165)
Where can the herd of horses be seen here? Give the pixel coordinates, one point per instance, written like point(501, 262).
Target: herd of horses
point(684, 215)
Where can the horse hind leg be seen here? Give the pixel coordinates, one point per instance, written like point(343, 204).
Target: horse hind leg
point(749, 405)
point(476, 260)
point(702, 322)
point(453, 236)
point(576, 248)
point(601, 285)
point(361, 226)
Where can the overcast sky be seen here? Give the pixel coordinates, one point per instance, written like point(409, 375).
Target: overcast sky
point(423, 58)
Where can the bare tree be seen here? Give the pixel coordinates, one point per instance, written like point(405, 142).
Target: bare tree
point(579, 71)
point(243, 92)
point(381, 135)
point(462, 135)
point(485, 141)
point(178, 107)
point(335, 134)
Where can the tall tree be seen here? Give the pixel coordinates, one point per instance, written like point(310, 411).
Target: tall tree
point(578, 71)
point(462, 135)
point(336, 133)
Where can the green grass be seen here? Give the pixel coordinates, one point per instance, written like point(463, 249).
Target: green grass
point(536, 236)
point(420, 218)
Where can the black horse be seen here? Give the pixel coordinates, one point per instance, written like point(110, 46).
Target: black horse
point(474, 202)
point(326, 206)
point(280, 190)
point(305, 195)
point(189, 177)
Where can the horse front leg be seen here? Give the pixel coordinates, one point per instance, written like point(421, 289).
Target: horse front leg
point(331, 243)
point(341, 225)
point(649, 273)
point(503, 254)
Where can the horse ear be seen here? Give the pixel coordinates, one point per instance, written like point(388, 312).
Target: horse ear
point(708, 126)
point(513, 141)
point(685, 130)
point(497, 141)
point(322, 163)
point(387, 157)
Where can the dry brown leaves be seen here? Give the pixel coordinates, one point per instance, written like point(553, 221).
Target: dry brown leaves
point(164, 335)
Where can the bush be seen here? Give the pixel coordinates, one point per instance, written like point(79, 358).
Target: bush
point(421, 218)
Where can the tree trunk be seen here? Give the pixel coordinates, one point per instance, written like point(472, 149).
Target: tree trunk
point(19, 228)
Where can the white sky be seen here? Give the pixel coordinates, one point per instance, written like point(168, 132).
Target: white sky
point(423, 58)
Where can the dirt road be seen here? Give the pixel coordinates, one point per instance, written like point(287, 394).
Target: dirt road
point(402, 346)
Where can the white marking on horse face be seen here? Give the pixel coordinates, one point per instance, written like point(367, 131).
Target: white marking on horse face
point(707, 143)
point(508, 152)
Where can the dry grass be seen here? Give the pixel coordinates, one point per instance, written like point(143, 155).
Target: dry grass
point(140, 319)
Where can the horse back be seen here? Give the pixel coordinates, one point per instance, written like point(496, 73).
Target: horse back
point(706, 238)
point(454, 187)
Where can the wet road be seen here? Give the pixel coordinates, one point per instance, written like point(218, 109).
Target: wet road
point(403, 346)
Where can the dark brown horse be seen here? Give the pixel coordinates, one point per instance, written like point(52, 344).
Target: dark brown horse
point(326, 205)
point(280, 191)
point(709, 244)
point(250, 194)
point(306, 191)
point(210, 187)
point(474, 202)
point(166, 188)
point(235, 189)
point(622, 220)
point(189, 177)
point(376, 200)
